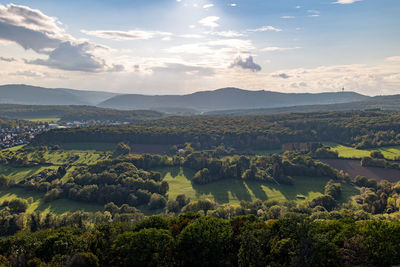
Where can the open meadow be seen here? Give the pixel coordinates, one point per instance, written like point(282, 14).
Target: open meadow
point(232, 191)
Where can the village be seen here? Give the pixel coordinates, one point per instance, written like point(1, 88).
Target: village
point(22, 135)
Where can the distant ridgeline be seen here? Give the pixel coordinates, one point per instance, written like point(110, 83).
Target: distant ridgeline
point(362, 129)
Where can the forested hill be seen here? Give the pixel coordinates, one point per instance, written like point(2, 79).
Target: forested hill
point(358, 129)
point(228, 98)
point(33, 95)
point(391, 102)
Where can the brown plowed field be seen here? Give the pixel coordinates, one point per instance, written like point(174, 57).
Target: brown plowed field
point(354, 168)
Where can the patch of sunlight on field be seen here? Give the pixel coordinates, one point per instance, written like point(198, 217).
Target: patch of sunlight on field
point(233, 191)
point(59, 206)
point(18, 174)
point(390, 152)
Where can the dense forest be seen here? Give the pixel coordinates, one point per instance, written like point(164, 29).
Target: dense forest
point(192, 239)
point(76, 113)
point(361, 129)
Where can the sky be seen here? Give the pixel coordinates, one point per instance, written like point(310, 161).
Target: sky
point(184, 46)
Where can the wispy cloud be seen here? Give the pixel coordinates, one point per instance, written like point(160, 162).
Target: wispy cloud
point(276, 48)
point(265, 29)
point(210, 21)
point(126, 35)
point(346, 2)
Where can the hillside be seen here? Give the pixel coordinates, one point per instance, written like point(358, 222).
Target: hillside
point(228, 98)
point(33, 95)
point(378, 102)
point(75, 113)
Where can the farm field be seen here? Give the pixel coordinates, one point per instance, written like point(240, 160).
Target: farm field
point(59, 206)
point(390, 152)
point(18, 174)
point(43, 120)
point(354, 168)
point(233, 191)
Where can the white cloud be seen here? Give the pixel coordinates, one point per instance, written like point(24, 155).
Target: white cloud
point(32, 29)
point(210, 21)
point(126, 35)
point(287, 17)
point(275, 48)
point(208, 5)
point(265, 29)
point(233, 4)
point(228, 34)
point(344, 2)
point(393, 59)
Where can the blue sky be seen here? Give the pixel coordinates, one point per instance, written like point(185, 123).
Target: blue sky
point(175, 47)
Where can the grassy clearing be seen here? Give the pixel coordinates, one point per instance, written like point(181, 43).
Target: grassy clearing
point(59, 206)
point(101, 147)
point(18, 174)
point(43, 120)
point(234, 191)
point(391, 152)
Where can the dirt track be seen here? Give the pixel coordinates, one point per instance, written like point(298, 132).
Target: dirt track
point(354, 168)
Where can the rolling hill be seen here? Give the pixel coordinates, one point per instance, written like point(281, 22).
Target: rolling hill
point(33, 95)
point(379, 102)
point(228, 98)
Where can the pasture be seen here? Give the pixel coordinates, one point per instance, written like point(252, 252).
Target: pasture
point(232, 191)
point(59, 206)
point(390, 152)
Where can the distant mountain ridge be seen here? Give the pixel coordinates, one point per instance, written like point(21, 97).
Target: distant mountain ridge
point(203, 101)
point(34, 95)
point(228, 98)
point(391, 102)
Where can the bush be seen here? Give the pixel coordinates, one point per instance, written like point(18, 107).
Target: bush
point(157, 202)
point(4, 181)
point(52, 195)
point(18, 205)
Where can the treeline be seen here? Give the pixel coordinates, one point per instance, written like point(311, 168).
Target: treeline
point(360, 129)
point(277, 169)
point(195, 240)
point(76, 113)
point(111, 115)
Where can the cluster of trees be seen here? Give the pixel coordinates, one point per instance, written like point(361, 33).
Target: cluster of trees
point(278, 169)
point(106, 181)
point(194, 240)
point(376, 159)
point(361, 129)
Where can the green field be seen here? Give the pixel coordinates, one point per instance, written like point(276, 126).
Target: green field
point(18, 174)
point(59, 206)
point(233, 191)
point(390, 152)
point(43, 120)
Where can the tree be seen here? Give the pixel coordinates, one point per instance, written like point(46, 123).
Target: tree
point(157, 201)
point(4, 181)
point(18, 205)
point(148, 247)
point(83, 259)
point(333, 189)
point(205, 242)
point(122, 149)
point(377, 155)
